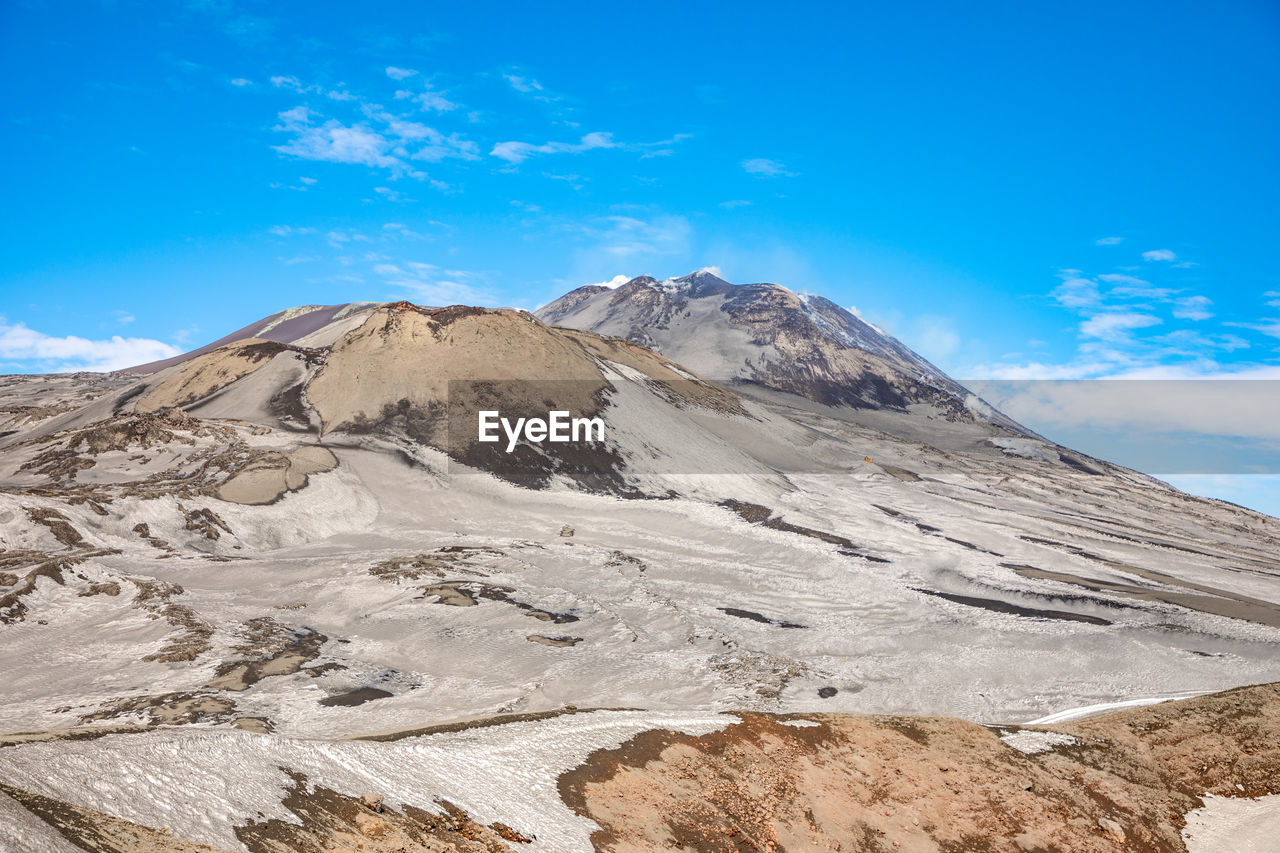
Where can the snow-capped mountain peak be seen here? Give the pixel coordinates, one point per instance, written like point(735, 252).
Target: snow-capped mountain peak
point(768, 335)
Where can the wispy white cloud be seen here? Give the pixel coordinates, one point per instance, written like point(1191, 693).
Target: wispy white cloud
point(1192, 308)
point(429, 101)
point(398, 230)
point(1159, 255)
point(302, 186)
point(293, 84)
point(428, 284)
point(400, 73)
point(335, 142)
point(392, 195)
point(241, 82)
point(419, 142)
point(1109, 241)
point(517, 152)
point(1269, 327)
point(25, 349)
point(1273, 298)
point(522, 84)
point(1122, 278)
point(290, 230)
point(339, 238)
point(389, 147)
point(735, 203)
point(1116, 326)
point(1115, 310)
point(1130, 287)
point(1076, 291)
point(616, 281)
point(571, 178)
point(1192, 343)
point(629, 237)
point(762, 167)
point(533, 89)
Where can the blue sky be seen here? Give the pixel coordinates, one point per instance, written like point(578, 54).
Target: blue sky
point(1011, 189)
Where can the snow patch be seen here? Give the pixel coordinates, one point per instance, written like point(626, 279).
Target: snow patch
point(1233, 825)
point(1090, 710)
point(1029, 742)
point(289, 314)
point(353, 308)
point(1020, 447)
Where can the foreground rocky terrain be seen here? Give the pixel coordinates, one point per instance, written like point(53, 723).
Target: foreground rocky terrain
point(247, 587)
point(748, 781)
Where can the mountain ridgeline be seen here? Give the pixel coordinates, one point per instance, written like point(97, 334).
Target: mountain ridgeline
point(634, 357)
point(768, 336)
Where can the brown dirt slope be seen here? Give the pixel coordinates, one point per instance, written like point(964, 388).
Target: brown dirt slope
point(400, 362)
point(208, 373)
point(930, 784)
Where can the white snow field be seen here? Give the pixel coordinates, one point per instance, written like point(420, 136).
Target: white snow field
point(1234, 825)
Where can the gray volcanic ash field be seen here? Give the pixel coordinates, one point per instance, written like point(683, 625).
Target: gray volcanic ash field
point(243, 589)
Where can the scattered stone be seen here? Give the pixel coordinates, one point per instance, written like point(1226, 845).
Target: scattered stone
point(355, 697)
point(1110, 827)
point(259, 725)
point(467, 593)
point(204, 521)
point(827, 692)
point(554, 641)
point(452, 558)
point(506, 833)
point(758, 617)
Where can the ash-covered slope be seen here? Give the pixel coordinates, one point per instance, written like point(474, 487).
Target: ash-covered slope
point(314, 324)
point(768, 335)
point(417, 378)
